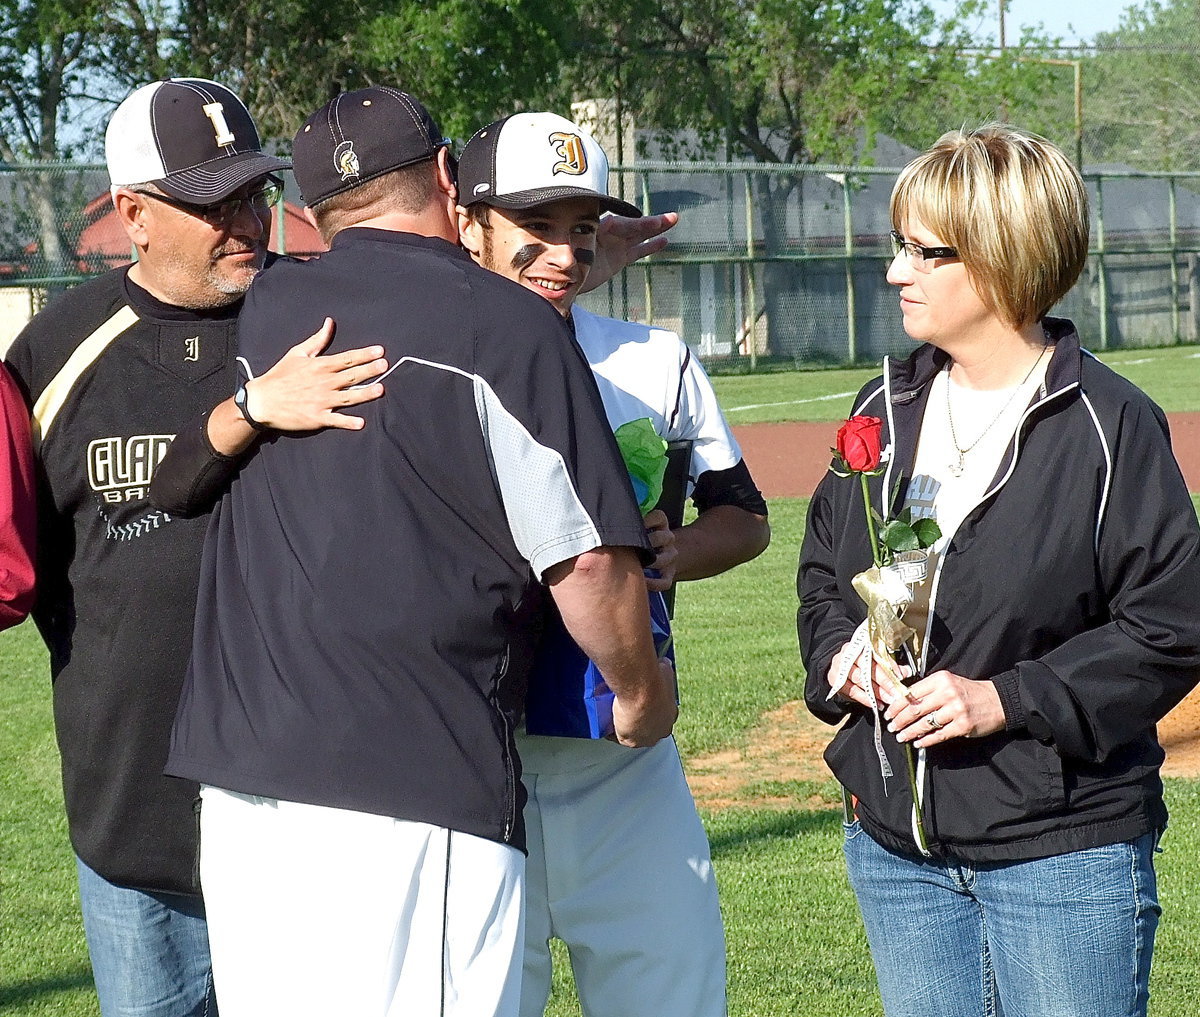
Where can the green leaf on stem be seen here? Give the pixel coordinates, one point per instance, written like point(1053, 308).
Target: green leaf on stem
point(927, 532)
point(899, 536)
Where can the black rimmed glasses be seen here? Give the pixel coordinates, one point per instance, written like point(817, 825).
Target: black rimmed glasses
point(221, 214)
point(918, 254)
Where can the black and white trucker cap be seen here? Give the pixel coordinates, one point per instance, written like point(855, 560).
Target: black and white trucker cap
point(529, 159)
point(190, 137)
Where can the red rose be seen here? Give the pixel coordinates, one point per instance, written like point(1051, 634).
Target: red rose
point(858, 443)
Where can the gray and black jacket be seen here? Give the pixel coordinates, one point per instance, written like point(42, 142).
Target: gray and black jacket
point(1072, 585)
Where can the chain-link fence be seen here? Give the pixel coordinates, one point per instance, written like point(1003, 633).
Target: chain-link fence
point(768, 263)
point(788, 263)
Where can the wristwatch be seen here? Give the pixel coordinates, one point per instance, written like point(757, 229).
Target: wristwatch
point(240, 397)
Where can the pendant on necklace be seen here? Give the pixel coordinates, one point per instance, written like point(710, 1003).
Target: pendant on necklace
point(956, 468)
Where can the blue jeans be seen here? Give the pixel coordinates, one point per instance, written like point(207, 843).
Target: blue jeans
point(1066, 936)
point(149, 950)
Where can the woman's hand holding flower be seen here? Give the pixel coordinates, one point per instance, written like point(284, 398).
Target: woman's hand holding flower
point(854, 688)
point(946, 706)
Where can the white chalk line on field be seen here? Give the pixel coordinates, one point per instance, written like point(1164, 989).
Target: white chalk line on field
point(1149, 360)
point(847, 395)
point(790, 402)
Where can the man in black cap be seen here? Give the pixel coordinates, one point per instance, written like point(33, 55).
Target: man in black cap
point(363, 629)
point(113, 369)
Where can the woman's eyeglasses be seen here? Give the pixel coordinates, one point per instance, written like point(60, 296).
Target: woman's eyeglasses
point(917, 253)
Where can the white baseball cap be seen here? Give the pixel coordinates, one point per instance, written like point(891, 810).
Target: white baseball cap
point(192, 138)
point(530, 159)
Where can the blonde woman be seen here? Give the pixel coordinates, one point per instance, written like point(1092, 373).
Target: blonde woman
point(1057, 624)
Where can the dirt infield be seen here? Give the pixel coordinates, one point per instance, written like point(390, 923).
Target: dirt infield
point(787, 461)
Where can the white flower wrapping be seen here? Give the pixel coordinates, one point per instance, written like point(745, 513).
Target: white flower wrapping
point(887, 594)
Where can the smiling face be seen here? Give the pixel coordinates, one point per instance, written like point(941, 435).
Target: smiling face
point(938, 301)
point(547, 249)
point(190, 263)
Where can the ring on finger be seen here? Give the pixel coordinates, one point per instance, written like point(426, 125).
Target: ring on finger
point(932, 721)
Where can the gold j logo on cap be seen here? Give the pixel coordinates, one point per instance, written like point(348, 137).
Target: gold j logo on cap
point(569, 148)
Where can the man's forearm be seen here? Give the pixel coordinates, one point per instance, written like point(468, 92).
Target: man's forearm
point(601, 596)
point(718, 539)
point(621, 241)
point(229, 433)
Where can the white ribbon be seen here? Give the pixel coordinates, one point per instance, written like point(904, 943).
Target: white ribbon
point(886, 593)
point(860, 652)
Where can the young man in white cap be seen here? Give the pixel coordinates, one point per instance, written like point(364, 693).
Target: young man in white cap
point(363, 628)
point(113, 369)
point(618, 864)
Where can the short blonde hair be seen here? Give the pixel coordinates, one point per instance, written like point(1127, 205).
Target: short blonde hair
point(1012, 204)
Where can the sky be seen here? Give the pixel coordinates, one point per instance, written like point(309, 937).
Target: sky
point(1073, 20)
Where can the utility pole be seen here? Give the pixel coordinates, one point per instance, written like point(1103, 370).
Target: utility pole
point(1004, 99)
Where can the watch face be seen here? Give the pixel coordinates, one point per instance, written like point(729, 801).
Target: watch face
point(240, 398)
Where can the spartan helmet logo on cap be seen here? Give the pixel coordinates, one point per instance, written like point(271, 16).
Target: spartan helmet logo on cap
point(569, 148)
point(345, 160)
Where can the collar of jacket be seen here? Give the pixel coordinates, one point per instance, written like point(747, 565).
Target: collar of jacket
point(906, 391)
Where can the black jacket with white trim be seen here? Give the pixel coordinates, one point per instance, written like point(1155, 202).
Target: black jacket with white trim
point(1072, 585)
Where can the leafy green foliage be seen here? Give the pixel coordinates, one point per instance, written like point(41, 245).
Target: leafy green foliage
point(900, 533)
point(791, 81)
point(45, 46)
point(927, 532)
point(1145, 88)
point(469, 61)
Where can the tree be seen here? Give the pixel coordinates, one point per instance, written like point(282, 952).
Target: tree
point(792, 82)
point(778, 81)
point(45, 47)
point(1145, 88)
point(468, 60)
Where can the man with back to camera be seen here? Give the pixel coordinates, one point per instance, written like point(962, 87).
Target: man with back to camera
point(618, 865)
point(364, 626)
point(113, 369)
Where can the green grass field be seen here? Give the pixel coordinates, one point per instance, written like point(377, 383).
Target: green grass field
point(796, 946)
point(1169, 375)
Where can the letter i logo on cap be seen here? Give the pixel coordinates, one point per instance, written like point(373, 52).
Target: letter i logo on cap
point(216, 113)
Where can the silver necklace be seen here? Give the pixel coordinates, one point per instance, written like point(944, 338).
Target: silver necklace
point(956, 469)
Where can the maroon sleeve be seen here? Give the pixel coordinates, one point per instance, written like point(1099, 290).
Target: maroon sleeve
point(18, 516)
